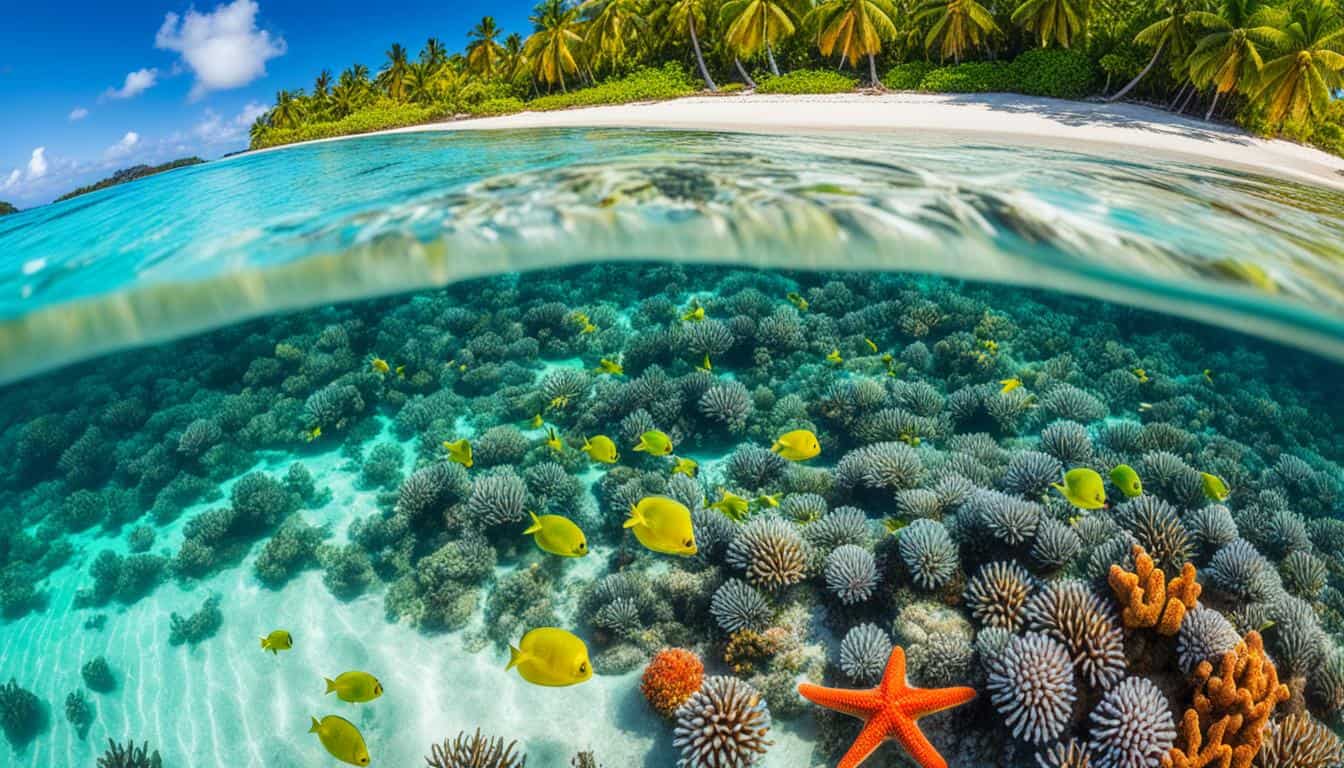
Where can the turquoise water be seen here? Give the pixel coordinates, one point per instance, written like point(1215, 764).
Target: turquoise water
point(229, 388)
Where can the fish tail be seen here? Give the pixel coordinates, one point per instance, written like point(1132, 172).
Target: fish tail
point(636, 518)
point(536, 525)
point(263, 644)
point(641, 448)
point(1058, 487)
point(315, 726)
point(331, 684)
point(777, 447)
point(515, 657)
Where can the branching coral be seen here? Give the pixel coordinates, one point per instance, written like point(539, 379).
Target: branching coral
point(1147, 599)
point(671, 678)
point(129, 756)
point(22, 715)
point(475, 751)
point(725, 723)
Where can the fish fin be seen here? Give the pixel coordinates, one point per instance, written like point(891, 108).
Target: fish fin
point(641, 448)
point(316, 725)
point(777, 447)
point(536, 525)
point(515, 658)
point(636, 518)
point(331, 684)
point(263, 644)
point(1059, 487)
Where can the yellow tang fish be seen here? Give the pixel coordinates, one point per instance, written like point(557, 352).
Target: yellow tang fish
point(655, 442)
point(695, 315)
point(600, 448)
point(798, 445)
point(1214, 487)
point(557, 535)
point(588, 328)
point(379, 366)
point(871, 344)
point(705, 365)
point(459, 451)
point(551, 656)
point(535, 422)
point(1208, 375)
point(354, 687)
point(894, 525)
point(834, 357)
point(553, 441)
point(1083, 488)
point(342, 739)
point(1127, 480)
point(684, 466)
point(662, 525)
point(609, 366)
point(277, 641)
point(1010, 384)
point(766, 500)
point(732, 505)
point(401, 371)
point(1141, 375)
point(313, 434)
point(797, 301)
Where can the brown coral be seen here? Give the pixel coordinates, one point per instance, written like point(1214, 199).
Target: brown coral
point(746, 648)
point(1148, 599)
point(1226, 724)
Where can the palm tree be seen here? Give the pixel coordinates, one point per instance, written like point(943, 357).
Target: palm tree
point(1228, 57)
point(853, 29)
point(484, 53)
point(514, 60)
point(434, 54)
point(614, 25)
point(958, 25)
point(1060, 21)
point(1297, 83)
point(420, 82)
point(551, 48)
point(322, 85)
point(345, 97)
point(288, 110)
point(689, 16)
point(393, 75)
point(753, 25)
point(1171, 32)
point(258, 129)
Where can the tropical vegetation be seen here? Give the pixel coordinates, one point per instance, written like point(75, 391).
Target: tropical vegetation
point(131, 174)
point(6, 208)
point(1274, 66)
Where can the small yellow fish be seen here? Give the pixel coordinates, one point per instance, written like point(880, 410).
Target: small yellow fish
point(1073, 521)
point(705, 365)
point(459, 451)
point(1083, 488)
point(535, 422)
point(871, 344)
point(609, 367)
point(552, 657)
point(557, 535)
point(588, 328)
point(1010, 384)
point(894, 525)
point(585, 325)
point(380, 366)
point(1143, 407)
point(553, 441)
point(730, 504)
point(797, 301)
point(277, 641)
point(655, 442)
point(1127, 480)
point(1214, 487)
point(766, 500)
point(663, 525)
point(991, 345)
point(798, 445)
point(1141, 375)
point(560, 402)
point(313, 434)
point(695, 315)
point(834, 357)
point(354, 687)
point(684, 466)
point(909, 438)
point(600, 448)
point(401, 371)
point(1208, 375)
point(341, 739)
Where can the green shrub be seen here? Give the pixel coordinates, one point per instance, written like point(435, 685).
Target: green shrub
point(807, 81)
point(1056, 72)
point(970, 77)
point(907, 76)
point(1329, 137)
point(732, 87)
point(667, 82)
point(377, 117)
point(494, 107)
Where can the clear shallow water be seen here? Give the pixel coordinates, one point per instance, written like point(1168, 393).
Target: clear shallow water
point(212, 244)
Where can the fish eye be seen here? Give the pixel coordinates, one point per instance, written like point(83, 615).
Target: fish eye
point(583, 668)
point(689, 542)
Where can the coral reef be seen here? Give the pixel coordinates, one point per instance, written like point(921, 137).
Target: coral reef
point(1031, 684)
point(129, 756)
point(671, 678)
point(22, 715)
point(725, 723)
point(1148, 599)
point(475, 751)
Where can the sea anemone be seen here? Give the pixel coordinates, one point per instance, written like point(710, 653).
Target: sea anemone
point(1211, 528)
point(736, 605)
point(475, 751)
point(1031, 685)
point(851, 574)
point(672, 677)
point(620, 616)
point(1304, 574)
point(919, 502)
point(1031, 473)
point(803, 508)
point(864, 652)
point(432, 488)
point(1298, 741)
point(497, 500)
point(771, 553)
point(1205, 635)
point(997, 592)
point(1298, 640)
point(1156, 526)
point(928, 552)
point(1056, 544)
point(1070, 612)
point(1067, 441)
point(1065, 754)
point(504, 444)
point(840, 526)
point(754, 467)
point(710, 337)
point(1010, 519)
point(727, 403)
point(1239, 570)
point(724, 724)
point(1132, 725)
point(565, 387)
point(714, 532)
point(945, 658)
point(881, 466)
point(1066, 401)
point(1325, 686)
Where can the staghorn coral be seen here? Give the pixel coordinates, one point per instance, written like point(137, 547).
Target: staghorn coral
point(1147, 599)
point(475, 751)
point(928, 553)
point(851, 574)
point(671, 677)
point(1070, 612)
point(725, 723)
point(737, 605)
point(1132, 726)
point(864, 652)
point(997, 593)
point(129, 756)
point(771, 552)
point(1031, 685)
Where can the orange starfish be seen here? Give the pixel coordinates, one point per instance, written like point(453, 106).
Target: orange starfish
point(889, 711)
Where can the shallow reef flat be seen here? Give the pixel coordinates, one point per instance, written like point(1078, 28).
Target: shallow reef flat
point(169, 505)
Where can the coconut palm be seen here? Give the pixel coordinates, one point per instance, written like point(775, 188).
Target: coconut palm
point(552, 50)
point(690, 17)
point(484, 53)
point(514, 60)
point(258, 129)
point(393, 75)
point(1057, 21)
point(613, 27)
point(1308, 64)
point(854, 29)
point(755, 25)
point(288, 110)
point(421, 79)
point(322, 85)
point(1228, 56)
point(956, 26)
point(434, 54)
point(345, 97)
point(1172, 32)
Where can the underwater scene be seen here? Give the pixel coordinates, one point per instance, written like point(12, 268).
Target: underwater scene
point(657, 448)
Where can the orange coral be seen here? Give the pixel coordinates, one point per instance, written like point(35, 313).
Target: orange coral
point(1226, 724)
point(1148, 599)
point(671, 678)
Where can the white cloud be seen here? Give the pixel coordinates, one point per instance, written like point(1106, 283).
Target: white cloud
point(124, 147)
point(12, 180)
point(213, 129)
point(136, 83)
point(37, 164)
point(78, 113)
point(223, 48)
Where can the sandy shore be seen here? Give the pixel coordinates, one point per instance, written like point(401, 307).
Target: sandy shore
point(1128, 131)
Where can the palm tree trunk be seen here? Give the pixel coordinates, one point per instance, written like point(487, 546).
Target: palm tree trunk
point(700, 59)
point(1179, 93)
point(1107, 87)
point(872, 71)
point(770, 57)
point(1121, 93)
point(1189, 98)
point(1209, 115)
point(746, 78)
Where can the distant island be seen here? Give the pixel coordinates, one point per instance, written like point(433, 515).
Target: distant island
point(124, 175)
point(6, 208)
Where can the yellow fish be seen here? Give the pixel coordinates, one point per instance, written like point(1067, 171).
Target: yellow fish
point(342, 739)
point(991, 345)
point(354, 687)
point(1141, 375)
point(401, 371)
point(553, 441)
point(909, 438)
point(277, 641)
point(588, 328)
point(684, 466)
point(609, 366)
point(1083, 488)
point(662, 525)
point(894, 525)
point(551, 656)
point(560, 402)
point(600, 448)
point(655, 442)
point(871, 344)
point(798, 445)
point(1208, 375)
point(459, 451)
point(797, 301)
point(379, 366)
point(705, 365)
point(834, 357)
point(732, 505)
point(1010, 384)
point(695, 315)
point(1214, 487)
point(535, 422)
point(557, 535)
point(1127, 480)
point(766, 500)
point(313, 434)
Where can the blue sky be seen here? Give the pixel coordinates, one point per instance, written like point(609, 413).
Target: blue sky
point(88, 86)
